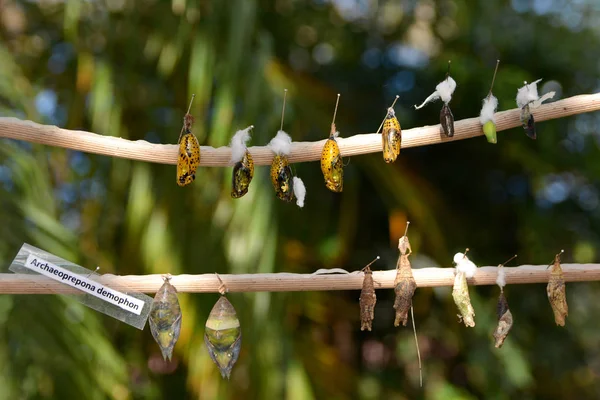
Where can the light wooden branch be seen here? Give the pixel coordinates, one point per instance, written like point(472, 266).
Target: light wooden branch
point(288, 282)
point(301, 151)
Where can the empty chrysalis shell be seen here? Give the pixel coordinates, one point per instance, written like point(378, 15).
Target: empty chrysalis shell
point(243, 171)
point(223, 336)
point(281, 177)
point(527, 121)
point(404, 245)
point(557, 295)
point(367, 301)
point(391, 137)
point(404, 287)
point(447, 120)
point(505, 321)
point(460, 294)
point(165, 318)
point(332, 164)
point(189, 154)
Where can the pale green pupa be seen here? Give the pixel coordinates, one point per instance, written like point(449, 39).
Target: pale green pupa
point(223, 336)
point(165, 318)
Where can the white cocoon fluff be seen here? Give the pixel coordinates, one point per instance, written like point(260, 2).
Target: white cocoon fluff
point(443, 90)
point(463, 264)
point(527, 93)
point(238, 144)
point(299, 191)
point(542, 99)
point(501, 278)
point(490, 105)
point(281, 144)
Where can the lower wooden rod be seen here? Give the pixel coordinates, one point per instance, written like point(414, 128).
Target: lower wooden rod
point(287, 282)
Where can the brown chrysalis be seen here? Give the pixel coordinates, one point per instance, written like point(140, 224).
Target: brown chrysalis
point(557, 292)
point(404, 284)
point(505, 318)
point(447, 120)
point(367, 299)
point(527, 100)
point(505, 321)
point(444, 91)
point(527, 121)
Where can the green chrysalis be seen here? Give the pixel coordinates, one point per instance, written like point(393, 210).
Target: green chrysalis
point(223, 336)
point(489, 129)
point(165, 318)
point(486, 117)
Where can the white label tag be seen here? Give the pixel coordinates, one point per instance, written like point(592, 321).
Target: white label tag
point(86, 285)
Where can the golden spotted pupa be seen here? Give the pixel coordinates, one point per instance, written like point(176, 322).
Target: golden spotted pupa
point(189, 151)
point(243, 167)
point(281, 177)
point(243, 172)
point(332, 165)
point(391, 136)
point(281, 172)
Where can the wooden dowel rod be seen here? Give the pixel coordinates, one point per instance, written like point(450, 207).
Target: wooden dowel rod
point(301, 151)
point(287, 282)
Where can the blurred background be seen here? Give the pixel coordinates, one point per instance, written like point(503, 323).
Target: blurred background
point(128, 68)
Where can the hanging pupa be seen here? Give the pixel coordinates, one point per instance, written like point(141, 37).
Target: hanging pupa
point(285, 184)
point(486, 117)
point(528, 122)
point(465, 268)
point(404, 287)
point(391, 136)
point(332, 165)
point(444, 90)
point(189, 151)
point(556, 290)
point(527, 100)
point(404, 284)
point(367, 299)
point(281, 172)
point(165, 318)
point(505, 318)
point(223, 335)
point(243, 165)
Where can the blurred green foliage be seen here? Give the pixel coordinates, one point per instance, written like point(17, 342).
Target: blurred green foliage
point(128, 68)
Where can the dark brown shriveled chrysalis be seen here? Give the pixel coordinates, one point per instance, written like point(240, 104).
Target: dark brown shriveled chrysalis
point(447, 120)
point(505, 318)
point(505, 321)
point(527, 121)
